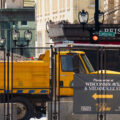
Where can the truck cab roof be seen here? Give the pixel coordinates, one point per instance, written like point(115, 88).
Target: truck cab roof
point(72, 52)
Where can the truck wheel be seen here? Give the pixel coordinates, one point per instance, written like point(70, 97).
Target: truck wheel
point(24, 108)
point(38, 115)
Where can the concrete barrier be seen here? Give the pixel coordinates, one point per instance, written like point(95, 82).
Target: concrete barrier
point(4, 111)
point(66, 113)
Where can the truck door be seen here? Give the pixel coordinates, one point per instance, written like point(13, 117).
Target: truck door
point(65, 75)
point(67, 65)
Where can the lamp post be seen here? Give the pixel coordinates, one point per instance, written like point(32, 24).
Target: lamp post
point(27, 39)
point(96, 16)
point(83, 17)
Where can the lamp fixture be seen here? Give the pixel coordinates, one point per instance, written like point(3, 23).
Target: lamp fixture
point(28, 35)
point(83, 17)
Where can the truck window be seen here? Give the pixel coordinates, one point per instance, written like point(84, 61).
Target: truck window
point(81, 67)
point(70, 63)
point(66, 62)
point(87, 63)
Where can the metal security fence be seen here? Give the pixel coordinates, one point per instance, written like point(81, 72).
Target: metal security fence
point(31, 82)
point(78, 82)
point(87, 82)
point(7, 110)
point(26, 83)
point(2, 85)
point(13, 33)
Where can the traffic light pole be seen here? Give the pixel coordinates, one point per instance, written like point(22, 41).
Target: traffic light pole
point(94, 31)
point(97, 27)
point(96, 16)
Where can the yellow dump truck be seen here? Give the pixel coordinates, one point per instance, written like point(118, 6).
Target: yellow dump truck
point(29, 81)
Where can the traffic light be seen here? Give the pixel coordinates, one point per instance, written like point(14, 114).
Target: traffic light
point(94, 38)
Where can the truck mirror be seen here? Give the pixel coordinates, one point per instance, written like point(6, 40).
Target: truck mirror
point(76, 64)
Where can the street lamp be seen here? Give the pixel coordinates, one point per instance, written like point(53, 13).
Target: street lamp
point(2, 42)
point(83, 17)
point(101, 17)
point(28, 35)
point(16, 36)
point(21, 44)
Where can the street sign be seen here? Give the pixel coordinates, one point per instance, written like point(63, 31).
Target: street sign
point(92, 94)
point(107, 34)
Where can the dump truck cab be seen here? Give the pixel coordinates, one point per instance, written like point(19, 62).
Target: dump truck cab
point(68, 64)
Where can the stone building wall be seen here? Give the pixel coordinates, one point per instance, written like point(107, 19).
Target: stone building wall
point(11, 3)
point(112, 14)
point(14, 4)
point(57, 10)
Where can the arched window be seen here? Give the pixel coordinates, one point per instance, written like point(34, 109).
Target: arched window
point(40, 7)
point(39, 43)
point(62, 5)
point(47, 6)
point(54, 5)
point(68, 4)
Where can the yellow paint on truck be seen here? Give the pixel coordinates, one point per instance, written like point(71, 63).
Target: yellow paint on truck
point(27, 74)
point(34, 76)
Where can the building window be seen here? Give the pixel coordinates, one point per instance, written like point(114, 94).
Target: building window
point(54, 2)
point(40, 7)
point(62, 5)
point(23, 22)
point(68, 4)
point(13, 22)
point(92, 3)
point(47, 7)
point(40, 39)
point(37, 7)
point(39, 42)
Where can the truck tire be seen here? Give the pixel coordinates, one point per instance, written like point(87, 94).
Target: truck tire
point(38, 115)
point(24, 108)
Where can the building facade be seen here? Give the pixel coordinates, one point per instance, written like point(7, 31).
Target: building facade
point(21, 16)
point(112, 11)
point(57, 10)
point(16, 3)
